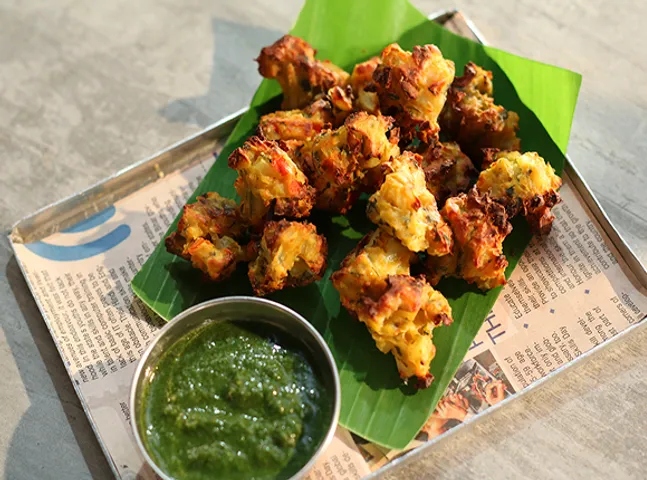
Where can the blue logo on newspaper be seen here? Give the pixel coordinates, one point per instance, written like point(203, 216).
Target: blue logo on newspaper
point(65, 253)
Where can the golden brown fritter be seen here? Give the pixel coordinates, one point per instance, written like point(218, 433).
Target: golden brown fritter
point(406, 209)
point(336, 161)
point(473, 119)
point(290, 254)
point(402, 320)
point(448, 171)
point(205, 235)
point(298, 125)
point(211, 216)
point(480, 225)
point(341, 103)
point(325, 112)
point(412, 88)
point(523, 183)
point(372, 139)
point(267, 177)
point(290, 60)
point(292, 148)
point(361, 80)
point(400, 311)
point(217, 258)
point(331, 168)
point(364, 272)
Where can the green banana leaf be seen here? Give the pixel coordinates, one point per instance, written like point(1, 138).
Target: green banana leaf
point(375, 403)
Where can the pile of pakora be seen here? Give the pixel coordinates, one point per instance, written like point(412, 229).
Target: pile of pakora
point(439, 161)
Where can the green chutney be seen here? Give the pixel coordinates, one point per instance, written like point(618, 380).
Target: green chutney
point(229, 402)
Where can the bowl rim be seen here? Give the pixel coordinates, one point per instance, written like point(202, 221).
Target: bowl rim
point(303, 471)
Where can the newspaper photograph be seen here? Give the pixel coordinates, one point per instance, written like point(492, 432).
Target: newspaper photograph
point(569, 293)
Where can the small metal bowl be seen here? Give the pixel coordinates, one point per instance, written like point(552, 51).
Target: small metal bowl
point(238, 309)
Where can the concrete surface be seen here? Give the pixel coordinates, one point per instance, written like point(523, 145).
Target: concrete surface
point(87, 88)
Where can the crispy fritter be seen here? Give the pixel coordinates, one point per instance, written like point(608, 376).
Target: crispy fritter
point(473, 119)
point(361, 80)
point(211, 216)
point(405, 208)
point(290, 254)
point(217, 258)
point(412, 88)
point(448, 171)
point(290, 60)
point(267, 177)
point(331, 168)
point(205, 235)
point(292, 148)
point(401, 322)
point(480, 225)
point(400, 311)
point(523, 183)
point(364, 272)
point(298, 125)
point(372, 139)
point(341, 103)
point(325, 112)
point(336, 161)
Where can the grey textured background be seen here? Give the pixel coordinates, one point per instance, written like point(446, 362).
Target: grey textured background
point(87, 88)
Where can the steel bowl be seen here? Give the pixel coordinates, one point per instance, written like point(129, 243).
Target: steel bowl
point(239, 309)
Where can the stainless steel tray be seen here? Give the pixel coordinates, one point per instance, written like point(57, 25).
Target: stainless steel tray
point(71, 210)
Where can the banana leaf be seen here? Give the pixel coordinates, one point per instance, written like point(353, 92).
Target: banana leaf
point(375, 403)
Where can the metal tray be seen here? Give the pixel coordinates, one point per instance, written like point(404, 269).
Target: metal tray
point(71, 210)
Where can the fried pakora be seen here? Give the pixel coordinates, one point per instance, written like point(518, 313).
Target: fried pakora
point(471, 117)
point(364, 272)
point(300, 125)
point(331, 168)
point(361, 80)
point(400, 311)
point(290, 61)
point(448, 171)
point(289, 254)
point(480, 225)
point(412, 88)
point(372, 139)
point(210, 216)
point(336, 161)
point(217, 258)
point(401, 322)
point(523, 183)
point(205, 235)
point(341, 103)
point(268, 178)
point(405, 208)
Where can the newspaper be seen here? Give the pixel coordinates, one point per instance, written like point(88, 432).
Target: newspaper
point(569, 293)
